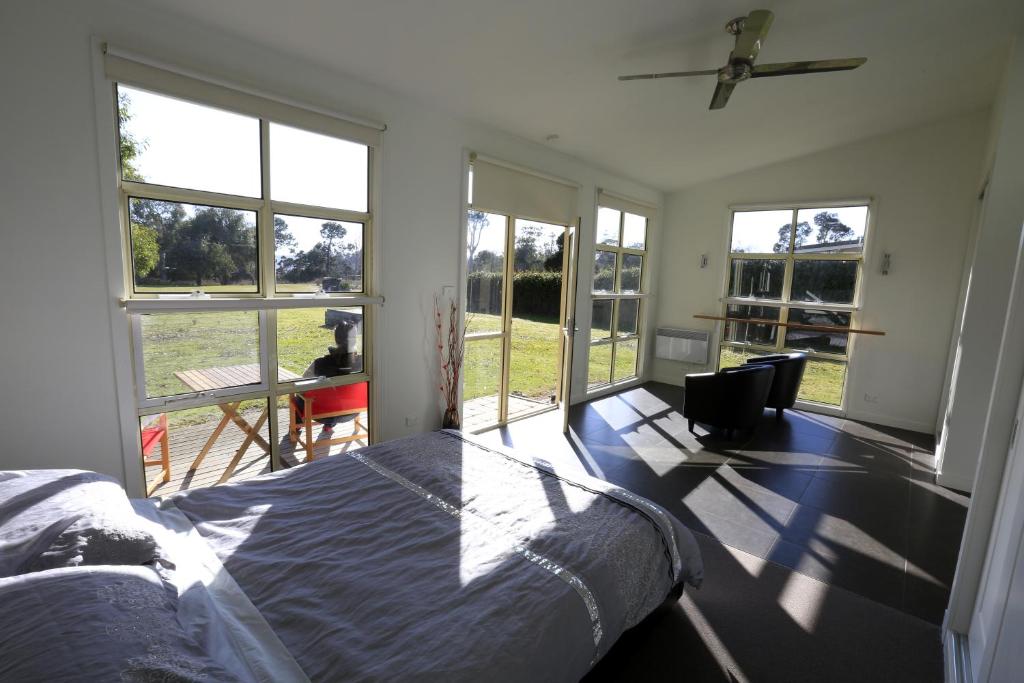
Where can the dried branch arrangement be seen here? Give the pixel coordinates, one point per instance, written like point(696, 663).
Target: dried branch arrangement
point(451, 344)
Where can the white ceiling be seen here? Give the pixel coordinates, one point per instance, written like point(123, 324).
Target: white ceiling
point(535, 67)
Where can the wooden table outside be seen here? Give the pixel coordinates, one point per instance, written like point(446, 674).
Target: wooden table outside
point(209, 379)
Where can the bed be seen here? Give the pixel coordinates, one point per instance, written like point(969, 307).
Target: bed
point(428, 558)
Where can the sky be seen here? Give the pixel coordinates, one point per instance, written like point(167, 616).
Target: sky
point(758, 231)
point(202, 148)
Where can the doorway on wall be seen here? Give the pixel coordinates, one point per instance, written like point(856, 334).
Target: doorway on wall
point(517, 304)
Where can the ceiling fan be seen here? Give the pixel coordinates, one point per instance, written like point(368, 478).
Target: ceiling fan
point(750, 32)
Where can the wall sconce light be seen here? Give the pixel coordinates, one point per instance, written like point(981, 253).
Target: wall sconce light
point(703, 260)
point(886, 262)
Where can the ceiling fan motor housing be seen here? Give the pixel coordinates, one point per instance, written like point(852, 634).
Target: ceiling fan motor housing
point(735, 72)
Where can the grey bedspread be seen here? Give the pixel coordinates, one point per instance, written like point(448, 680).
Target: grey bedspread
point(435, 558)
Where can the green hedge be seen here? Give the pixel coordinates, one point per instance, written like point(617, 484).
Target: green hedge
point(534, 294)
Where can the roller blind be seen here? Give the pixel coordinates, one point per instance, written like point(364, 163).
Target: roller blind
point(502, 189)
point(614, 201)
point(123, 68)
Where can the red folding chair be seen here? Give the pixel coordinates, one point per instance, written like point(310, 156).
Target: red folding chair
point(348, 399)
point(156, 433)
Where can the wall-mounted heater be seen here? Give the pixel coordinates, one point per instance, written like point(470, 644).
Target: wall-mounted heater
point(688, 346)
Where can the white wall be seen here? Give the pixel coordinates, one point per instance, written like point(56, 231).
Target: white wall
point(58, 319)
point(924, 182)
point(991, 367)
point(971, 410)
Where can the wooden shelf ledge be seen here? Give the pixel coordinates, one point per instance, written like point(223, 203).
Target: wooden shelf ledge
point(795, 326)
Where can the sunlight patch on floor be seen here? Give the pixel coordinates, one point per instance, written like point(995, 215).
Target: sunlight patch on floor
point(803, 599)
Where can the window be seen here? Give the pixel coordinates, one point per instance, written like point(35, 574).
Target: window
point(793, 286)
point(248, 266)
point(617, 292)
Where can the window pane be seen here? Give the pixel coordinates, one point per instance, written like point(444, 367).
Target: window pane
point(184, 434)
point(485, 266)
point(189, 352)
point(601, 319)
point(310, 168)
point(167, 141)
point(182, 247)
point(731, 356)
point(761, 232)
point(756, 278)
point(752, 333)
point(625, 360)
point(608, 226)
point(311, 253)
point(817, 340)
point(823, 382)
point(832, 282)
point(634, 231)
point(839, 230)
point(319, 342)
point(604, 271)
point(632, 267)
point(482, 382)
point(599, 366)
point(629, 310)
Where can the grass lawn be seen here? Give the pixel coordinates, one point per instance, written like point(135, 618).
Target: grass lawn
point(822, 383)
point(188, 341)
point(599, 364)
point(534, 371)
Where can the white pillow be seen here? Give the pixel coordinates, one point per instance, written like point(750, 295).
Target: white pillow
point(62, 518)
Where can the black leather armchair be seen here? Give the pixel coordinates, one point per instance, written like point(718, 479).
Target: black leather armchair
point(789, 371)
point(732, 398)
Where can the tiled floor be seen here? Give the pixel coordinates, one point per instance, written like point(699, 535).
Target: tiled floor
point(853, 505)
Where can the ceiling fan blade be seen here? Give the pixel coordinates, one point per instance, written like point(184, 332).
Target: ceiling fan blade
point(751, 37)
point(669, 74)
point(813, 67)
point(722, 93)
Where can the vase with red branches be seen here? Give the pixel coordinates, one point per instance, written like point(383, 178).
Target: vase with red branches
point(451, 343)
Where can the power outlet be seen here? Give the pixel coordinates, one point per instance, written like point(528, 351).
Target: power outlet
point(871, 398)
point(411, 421)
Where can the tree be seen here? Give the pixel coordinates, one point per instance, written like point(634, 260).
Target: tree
point(215, 244)
point(130, 146)
point(283, 237)
point(553, 262)
point(487, 261)
point(331, 232)
point(527, 254)
point(477, 222)
point(145, 250)
point(803, 231)
point(831, 229)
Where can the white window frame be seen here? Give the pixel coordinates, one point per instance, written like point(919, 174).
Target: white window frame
point(128, 305)
point(785, 302)
point(609, 201)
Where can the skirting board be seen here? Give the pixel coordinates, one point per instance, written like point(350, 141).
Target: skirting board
point(890, 421)
point(957, 656)
point(961, 483)
point(874, 418)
